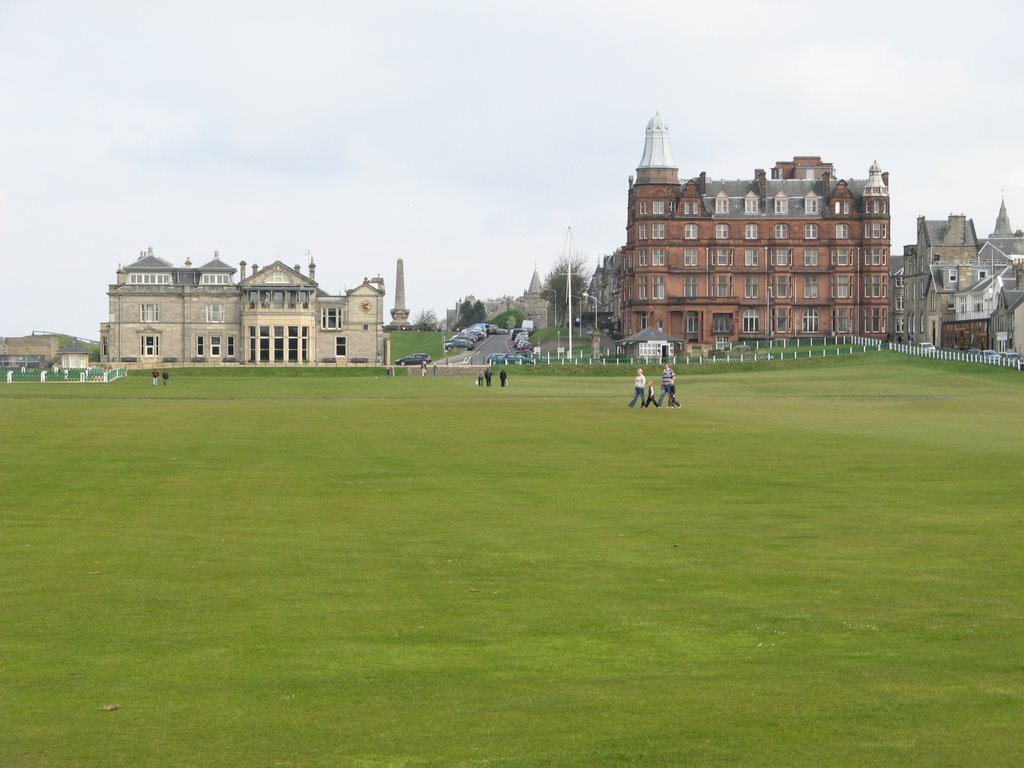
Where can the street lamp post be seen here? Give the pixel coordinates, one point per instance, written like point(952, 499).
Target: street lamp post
point(593, 298)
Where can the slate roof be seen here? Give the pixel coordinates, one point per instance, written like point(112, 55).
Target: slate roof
point(150, 263)
point(216, 265)
point(737, 189)
point(74, 347)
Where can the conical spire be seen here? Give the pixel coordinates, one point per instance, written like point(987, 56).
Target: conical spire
point(535, 284)
point(1003, 228)
point(657, 146)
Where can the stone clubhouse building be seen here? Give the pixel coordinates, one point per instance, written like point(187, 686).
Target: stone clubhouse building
point(160, 313)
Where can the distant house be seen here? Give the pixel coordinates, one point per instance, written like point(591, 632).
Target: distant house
point(651, 342)
point(73, 355)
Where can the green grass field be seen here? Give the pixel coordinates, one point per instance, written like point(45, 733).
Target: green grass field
point(816, 565)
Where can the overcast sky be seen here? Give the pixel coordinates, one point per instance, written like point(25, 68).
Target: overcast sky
point(462, 135)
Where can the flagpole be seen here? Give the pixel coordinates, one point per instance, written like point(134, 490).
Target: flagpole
point(568, 290)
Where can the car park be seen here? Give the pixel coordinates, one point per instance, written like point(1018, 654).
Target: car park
point(416, 358)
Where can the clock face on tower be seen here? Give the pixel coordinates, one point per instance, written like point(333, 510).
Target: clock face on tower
point(365, 306)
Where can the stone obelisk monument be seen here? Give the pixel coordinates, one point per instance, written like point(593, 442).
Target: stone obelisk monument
point(400, 314)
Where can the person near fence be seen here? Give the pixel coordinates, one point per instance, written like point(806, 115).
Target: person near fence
point(639, 382)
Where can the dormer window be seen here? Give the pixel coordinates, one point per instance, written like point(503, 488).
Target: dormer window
point(216, 279)
point(149, 278)
point(750, 203)
point(811, 203)
point(781, 203)
point(721, 203)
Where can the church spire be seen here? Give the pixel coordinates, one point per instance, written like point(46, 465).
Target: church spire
point(1003, 228)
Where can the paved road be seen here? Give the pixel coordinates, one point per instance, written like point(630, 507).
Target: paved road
point(499, 342)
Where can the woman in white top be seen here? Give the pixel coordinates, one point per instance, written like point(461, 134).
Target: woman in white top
point(638, 386)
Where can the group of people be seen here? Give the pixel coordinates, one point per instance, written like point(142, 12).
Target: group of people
point(485, 376)
point(642, 387)
point(156, 377)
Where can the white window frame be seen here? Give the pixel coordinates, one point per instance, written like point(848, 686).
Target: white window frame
point(810, 286)
point(751, 321)
point(751, 231)
point(842, 231)
point(149, 313)
point(721, 231)
point(690, 231)
point(810, 231)
point(751, 285)
point(811, 321)
point(657, 286)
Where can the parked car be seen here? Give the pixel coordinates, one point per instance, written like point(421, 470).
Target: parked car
point(515, 359)
point(927, 346)
point(496, 358)
point(990, 354)
point(416, 358)
point(974, 351)
point(1012, 356)
point(459, 343)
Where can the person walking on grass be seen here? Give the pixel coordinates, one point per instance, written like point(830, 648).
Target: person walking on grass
point(668, 380)
point(672, 402)
point(638, 387)
point(503, 376)
point(156, 377)
point(650, 397)
point(166, 377)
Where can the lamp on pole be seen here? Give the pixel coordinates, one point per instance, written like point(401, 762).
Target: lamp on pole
point(592, 298)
